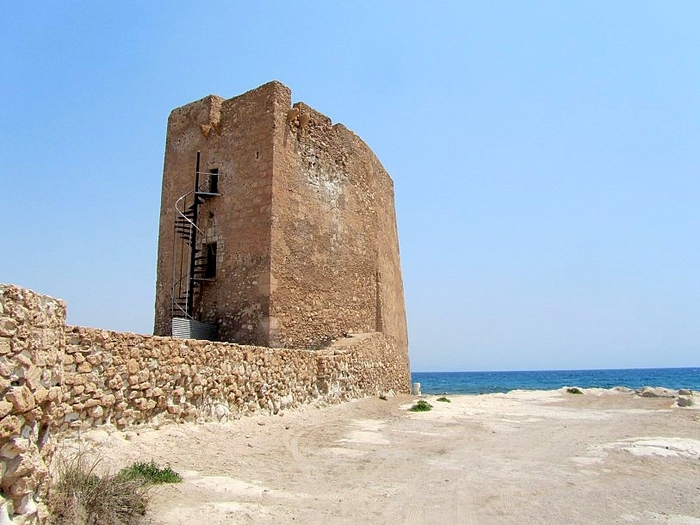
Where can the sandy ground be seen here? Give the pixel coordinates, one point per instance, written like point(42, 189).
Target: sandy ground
point(524, 457)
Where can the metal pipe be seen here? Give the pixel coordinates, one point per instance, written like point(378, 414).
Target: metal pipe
point(193, 242)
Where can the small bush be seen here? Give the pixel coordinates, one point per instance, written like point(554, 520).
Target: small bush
point(421, 406)
point(150, 473)
point(80, 496)
point(443, 399)
point(574, 390)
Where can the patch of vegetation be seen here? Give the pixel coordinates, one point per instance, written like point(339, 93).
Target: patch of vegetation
point(150, 472)
point(80, 496)
point(574, 390)
point(421, 406)
point(443, 399)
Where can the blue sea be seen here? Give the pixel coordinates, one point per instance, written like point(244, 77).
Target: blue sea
point(489, 382)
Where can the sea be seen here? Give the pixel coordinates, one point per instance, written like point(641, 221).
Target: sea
point(491, 382)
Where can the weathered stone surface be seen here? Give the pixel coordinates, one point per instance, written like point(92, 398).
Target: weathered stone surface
point(306, 237)
point(31, 337)
point(132, 366)
point(685, 401)
point(8, 327)
point(176, 380)
point(5, 407)
point(205, 370)
point(648, 391)
point(6, 367)
point(10, 426)
point(21, 398)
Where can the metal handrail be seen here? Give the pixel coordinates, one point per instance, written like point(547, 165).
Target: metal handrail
point(188, 229)
point(181, 212)
point(180, 207)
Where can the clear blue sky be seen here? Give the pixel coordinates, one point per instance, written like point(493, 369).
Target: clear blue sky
point(546, 158)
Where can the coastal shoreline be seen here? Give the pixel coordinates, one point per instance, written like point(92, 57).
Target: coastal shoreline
point(603, 456)
point(504, 381)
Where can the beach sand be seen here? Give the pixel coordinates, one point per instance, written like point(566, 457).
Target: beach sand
point(525, 457)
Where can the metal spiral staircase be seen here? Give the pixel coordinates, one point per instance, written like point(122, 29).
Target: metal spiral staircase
point(191, 272)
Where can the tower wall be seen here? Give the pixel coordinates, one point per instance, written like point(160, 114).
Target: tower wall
point(233, 137)
point(325, 233)
point(307, 246)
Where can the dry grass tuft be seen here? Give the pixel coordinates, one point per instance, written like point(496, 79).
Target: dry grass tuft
point(80, 496)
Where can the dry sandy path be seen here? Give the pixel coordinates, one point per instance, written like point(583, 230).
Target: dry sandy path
point(519, 458)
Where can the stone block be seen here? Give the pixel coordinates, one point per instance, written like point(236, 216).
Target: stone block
point(84, 368)
point(5, 408)
point(108, 400)
point(21, 398)
point(21, 487)
point(35, 414)
point(14, 447)
point(7, 367)
point(78, 390)
point(684, 401)
point(55, 393)
point(132, 366)
point(11, 426)
point(8, 327)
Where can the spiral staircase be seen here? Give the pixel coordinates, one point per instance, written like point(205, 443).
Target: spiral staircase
point(191, 272)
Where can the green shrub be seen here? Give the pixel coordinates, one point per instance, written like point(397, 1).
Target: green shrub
point(421, 406)
point(443, 399)
point(80, 496)
point(574, 390)
point(150, 472)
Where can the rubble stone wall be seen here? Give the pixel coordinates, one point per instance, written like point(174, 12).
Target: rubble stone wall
point(128, 379)
point(56, 379)
point(31, 353)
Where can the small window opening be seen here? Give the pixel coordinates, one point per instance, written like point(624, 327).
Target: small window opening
point(214, 181)
point(210, 270)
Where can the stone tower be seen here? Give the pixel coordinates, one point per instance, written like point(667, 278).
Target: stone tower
point(277, 228)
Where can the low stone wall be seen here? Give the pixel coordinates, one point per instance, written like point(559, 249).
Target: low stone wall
point(128, 379)
point(56, 379)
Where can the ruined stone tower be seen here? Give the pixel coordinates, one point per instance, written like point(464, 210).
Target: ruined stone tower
point(277, 228)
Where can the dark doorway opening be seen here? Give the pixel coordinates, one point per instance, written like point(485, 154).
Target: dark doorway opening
point(210, 269)
point(214, 181)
